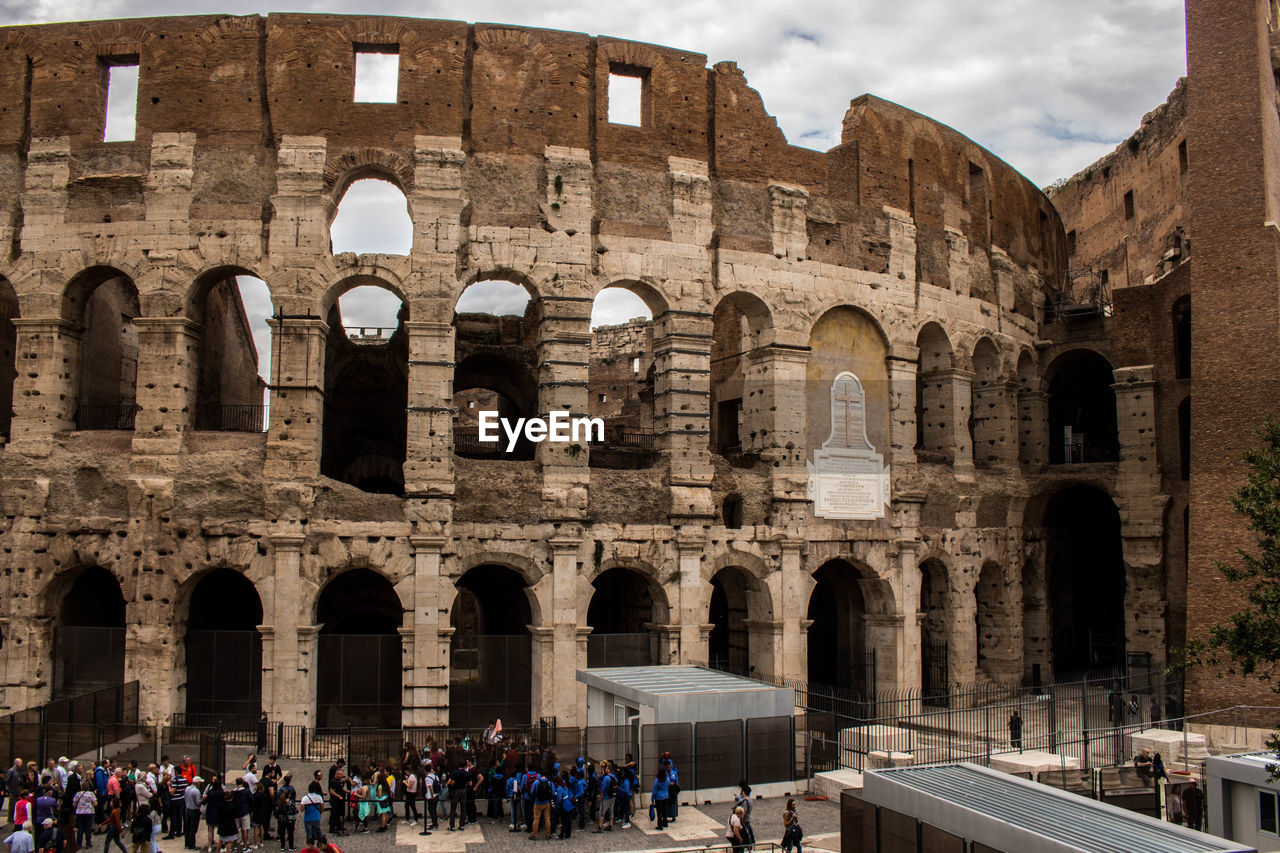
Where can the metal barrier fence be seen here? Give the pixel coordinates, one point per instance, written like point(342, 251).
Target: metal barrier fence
point(106, 417)
point(230, 417)
point(77, 725)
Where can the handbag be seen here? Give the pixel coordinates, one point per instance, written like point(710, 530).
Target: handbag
point(652, 813)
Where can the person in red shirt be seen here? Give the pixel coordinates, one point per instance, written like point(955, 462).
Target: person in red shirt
point(187, 769)
point(22, 811)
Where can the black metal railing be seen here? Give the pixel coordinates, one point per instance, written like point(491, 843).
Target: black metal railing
point(76, 725)
point(106, 417)
point(1086, 450)
point(230, 417)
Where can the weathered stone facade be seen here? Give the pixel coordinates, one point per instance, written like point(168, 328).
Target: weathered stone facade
point(906, 255)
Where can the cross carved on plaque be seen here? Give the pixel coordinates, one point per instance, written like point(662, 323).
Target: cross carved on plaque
point(846, 395)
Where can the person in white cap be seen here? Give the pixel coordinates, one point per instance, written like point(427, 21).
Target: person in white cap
point(50, 837)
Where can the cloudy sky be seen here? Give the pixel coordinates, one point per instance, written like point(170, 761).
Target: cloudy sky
point(1047, 85)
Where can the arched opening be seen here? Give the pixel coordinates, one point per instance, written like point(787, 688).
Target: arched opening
point(104, 303)
point(88, 636)
point(496, 367)
point(1085, 570)
point(8, 355)
point(731, 511)
point(730, 642)
point(372, 218)
point(490, 651)
point(1184, 438)
point(224, 648)
point(1182, 338)
point(738, 408)
point(359, 665)
point(934, 439)
point(620, 378)
point(623, 614)
point(988, 406)
point(366, 379)
point(231, 310)
point(935, 617)
point(1082, 410)
point(994, 624)
point(839, 655)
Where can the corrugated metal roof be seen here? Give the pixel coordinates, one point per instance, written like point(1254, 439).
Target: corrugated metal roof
point(956, 794)
point(667, 680)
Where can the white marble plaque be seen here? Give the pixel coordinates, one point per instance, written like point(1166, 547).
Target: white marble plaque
point(847, 478)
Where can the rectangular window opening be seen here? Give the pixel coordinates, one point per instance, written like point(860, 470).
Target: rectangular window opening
point(1182, 157)
point(626, 97)
point(1128, 205)
point(121, 120)
point(377, 74)
point(635, 365)
point(1267, 812)
point(604, 398)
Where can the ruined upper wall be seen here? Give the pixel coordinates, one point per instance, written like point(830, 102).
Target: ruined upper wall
point(1125, 213)
point(240, 85)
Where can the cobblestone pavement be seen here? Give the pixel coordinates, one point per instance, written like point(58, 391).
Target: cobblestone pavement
point(697, 827)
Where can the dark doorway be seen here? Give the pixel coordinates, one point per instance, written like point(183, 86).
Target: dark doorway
point(359, 667)
point(88, 639)
point(621, 615)
point(730, 638)
point(1082, 410)
point(838, 654)
point(224, 649)
point(1086, 579)
point(490, 652)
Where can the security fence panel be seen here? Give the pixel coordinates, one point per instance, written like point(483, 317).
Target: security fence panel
point(770, 750)
point(87, 659)
point(718, 755)
point(610, 743)
point(620, 650)
point(489, 679)
point(659, 738)
point(224, 675)
point(358, 680)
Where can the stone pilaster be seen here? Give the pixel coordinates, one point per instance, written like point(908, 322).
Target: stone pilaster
point(1142, 508)
point(44, 393)
point(1033, 430)
point(682, 410)
point(790, 221)
point(568, 644)
point(902, 243)
point(297, 398)
point(693, 601)
point(428, 467)
point(790, 588)
point(958, 263)
point(166, 388)
point(959, 395)
point(902, 408)
point(564, 353)
point(906, 515)
point(426, 679)
point(773, 403)
point(288, 691)
point(300, 224)
point(993, 425)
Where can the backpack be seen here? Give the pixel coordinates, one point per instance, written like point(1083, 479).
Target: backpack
point(286, 809)
point(140, 828)
point(606, 785)
point(542, 791)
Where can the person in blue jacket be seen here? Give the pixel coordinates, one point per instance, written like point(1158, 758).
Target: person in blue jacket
point(673, 789)
point(626, 787)
point(660, 795)
point(564, 800)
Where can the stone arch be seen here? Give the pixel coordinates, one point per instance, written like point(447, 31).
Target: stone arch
point(997, 656)
point(1082, 408)
point(378, 163)
point(87, 605)
point(649, 292)
point(103, 303)
point(741, 614)
point(490, 649)
point(14, 38)
point(841, 641)
point(228, 392)
point(847, 339)
point(359, 656)
point(222, 644)
point(936, 613)
point(935, 422)
point(741, 414)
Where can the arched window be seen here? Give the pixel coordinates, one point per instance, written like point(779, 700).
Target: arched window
point(625, 607)
point(372, 218)
point(88, 637)
point(1082, 409)
point(935, 441)
point(359, 666)
point(739, 325)
point(366, 379)
point(496, 361)
point(105, 302)
point(620, 379)
point(224, 649)
point(231, 311)
point(490, 651)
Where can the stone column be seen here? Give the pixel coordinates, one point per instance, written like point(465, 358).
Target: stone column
point(776, 373)
point(426, 680)
point(902, 407)
point(764, 646)
point(885, 634)
point(308, 673)
point(568, 697)
point(44, 393)
point(564, 352)
point(682, 411)
point(1033, 430)
point(542, 672)
point(993, 426)
point(285, 682)
point(168, 371)
point(297, 398)
point(906, 516)
point(694, 599)
point(428, 467)
point(790, 587)
point(1141, 513)
point(962, 632)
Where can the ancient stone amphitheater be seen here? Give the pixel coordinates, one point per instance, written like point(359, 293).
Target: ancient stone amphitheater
point(236, 548)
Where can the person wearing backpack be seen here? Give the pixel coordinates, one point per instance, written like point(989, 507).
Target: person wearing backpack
point(543, 796)
point(140, 830)
point(516, 796)
point(564, 799)
point(459, 782)
point(792, 834)
point(286, 815)
point(431, 795)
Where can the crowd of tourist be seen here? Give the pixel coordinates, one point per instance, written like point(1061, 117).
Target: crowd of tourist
point(62, 808)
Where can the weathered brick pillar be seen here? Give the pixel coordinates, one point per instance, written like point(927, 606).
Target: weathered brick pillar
point(428, 467)
point(902, 243)
point(993, 425)
point(44, 393)
point(694, 601)
point(288, 694)
point(1141, 513)
point(682, 410)
point(166, 385)
point(776, 373)
point(426, 679)
point(1033, 430)
point(297, 398)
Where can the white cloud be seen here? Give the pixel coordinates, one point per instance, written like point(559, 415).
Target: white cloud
point(373, 217)
point(616, 305)
point(369, 307)
point(501, 298)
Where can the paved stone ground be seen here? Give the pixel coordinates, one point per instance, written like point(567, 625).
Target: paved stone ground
point(696, 828)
